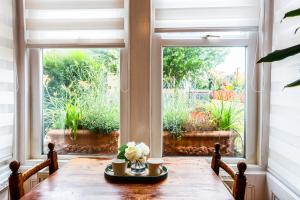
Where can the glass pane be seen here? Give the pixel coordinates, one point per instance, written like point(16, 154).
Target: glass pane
point(81, 100)
point(203, 100)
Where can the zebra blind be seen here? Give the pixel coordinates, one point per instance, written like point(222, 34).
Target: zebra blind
point(190, 14)
point(284, 142)
point(75, 22)
point(7, 81)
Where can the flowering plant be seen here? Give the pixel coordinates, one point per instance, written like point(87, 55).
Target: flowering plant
point(133, 152)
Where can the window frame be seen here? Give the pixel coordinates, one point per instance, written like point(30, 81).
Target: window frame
point(250, 89)
point(36, 95)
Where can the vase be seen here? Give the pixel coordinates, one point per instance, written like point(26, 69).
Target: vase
point(138, 167)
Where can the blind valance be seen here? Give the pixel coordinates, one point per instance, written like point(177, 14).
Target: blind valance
point(210, 14)
point(51, 23)
point(7, 81)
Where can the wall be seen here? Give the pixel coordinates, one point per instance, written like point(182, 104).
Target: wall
point(4, 195)
point(284, 135)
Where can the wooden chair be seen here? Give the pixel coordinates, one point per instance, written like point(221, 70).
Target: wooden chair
point(17, 179)
point(240, 180)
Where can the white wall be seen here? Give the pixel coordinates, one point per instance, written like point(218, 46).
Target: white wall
point(284, 139)
point(4, 195)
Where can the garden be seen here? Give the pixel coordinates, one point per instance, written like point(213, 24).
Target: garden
point(203, 100)
point(81, 100)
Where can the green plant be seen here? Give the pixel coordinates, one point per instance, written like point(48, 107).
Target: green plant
point(105, 119)
point(121, 152)
point(175, 114)
point(190, 63)
point(81, 75)
point(73, 117)
point(227, 115)
point(285, 53)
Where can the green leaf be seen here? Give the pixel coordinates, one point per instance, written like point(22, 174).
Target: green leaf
point(293, 13)
point(281, 54)
point(293, 84)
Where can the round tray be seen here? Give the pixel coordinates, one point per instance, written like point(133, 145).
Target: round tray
point(130, 178)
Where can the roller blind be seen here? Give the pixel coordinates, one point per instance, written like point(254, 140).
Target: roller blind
point(284, 134)
point(75, 22)
point(197, 14)
point(7, 81)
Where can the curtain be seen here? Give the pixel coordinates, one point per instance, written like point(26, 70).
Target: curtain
point(74, 23)
point(193, 14)
point(7, 81)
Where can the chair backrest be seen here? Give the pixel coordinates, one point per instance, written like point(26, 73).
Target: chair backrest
point(240, 180)
point(17, 179)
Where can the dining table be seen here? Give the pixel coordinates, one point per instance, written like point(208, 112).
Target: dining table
point(82, 178)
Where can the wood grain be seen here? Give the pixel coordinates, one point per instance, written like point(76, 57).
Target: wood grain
point(83, 178)
point(16, 179)
point(239, 178)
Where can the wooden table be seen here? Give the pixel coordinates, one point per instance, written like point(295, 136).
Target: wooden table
point(83, 179)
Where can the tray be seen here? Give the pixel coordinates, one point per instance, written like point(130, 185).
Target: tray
point(130, 178)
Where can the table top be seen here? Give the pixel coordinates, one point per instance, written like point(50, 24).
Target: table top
point(83, 178)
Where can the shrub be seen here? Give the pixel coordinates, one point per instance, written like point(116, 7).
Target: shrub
point(77, 91)
point(228, 115)
point(175, 114)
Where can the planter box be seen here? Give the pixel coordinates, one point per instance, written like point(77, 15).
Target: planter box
point(199, 143)
point(87, 142)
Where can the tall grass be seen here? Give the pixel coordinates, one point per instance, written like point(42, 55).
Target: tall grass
point(78, 81)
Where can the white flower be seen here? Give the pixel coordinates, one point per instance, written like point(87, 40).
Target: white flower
point(132, 153)
point(131, 144)
point(143, 148)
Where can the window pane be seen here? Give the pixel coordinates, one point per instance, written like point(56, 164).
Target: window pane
point(81, 100)
point(203, 100)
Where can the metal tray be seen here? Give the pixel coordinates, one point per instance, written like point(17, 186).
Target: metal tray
point(130, 178)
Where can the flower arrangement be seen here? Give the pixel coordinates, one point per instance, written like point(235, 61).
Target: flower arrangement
point(134, 152)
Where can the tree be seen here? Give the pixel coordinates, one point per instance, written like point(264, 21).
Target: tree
point(190, 64)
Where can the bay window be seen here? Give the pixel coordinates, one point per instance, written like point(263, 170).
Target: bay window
point(215, 95)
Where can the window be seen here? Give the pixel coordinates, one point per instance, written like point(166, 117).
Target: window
point(203, 100)
point(81, 100)
point(207, 93)
point(54, 29)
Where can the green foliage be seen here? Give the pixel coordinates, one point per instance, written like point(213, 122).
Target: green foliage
point(121, 152)
point(73, 117)
point(175, 114)
point(79, 81)
point(102, 119)
point(190, 63)
point(293, 84)
point(281, 54)
point(293, 13)
point(227, 115)
point(287, 52)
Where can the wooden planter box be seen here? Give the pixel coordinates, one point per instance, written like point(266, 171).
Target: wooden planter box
point(199, 143)
point(87, 142)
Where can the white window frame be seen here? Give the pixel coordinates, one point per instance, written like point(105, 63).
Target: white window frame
point(36, 94)
point(251, 89)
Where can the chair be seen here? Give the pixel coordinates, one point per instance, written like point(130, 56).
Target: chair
point(240, 180)
point(17, 179)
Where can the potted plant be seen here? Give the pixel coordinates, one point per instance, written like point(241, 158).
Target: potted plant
point(196, 134)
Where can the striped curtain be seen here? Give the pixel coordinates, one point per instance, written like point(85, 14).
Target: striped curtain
point(284, 141)
point(7, 81)
point(192, 14)
point(51, 23)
